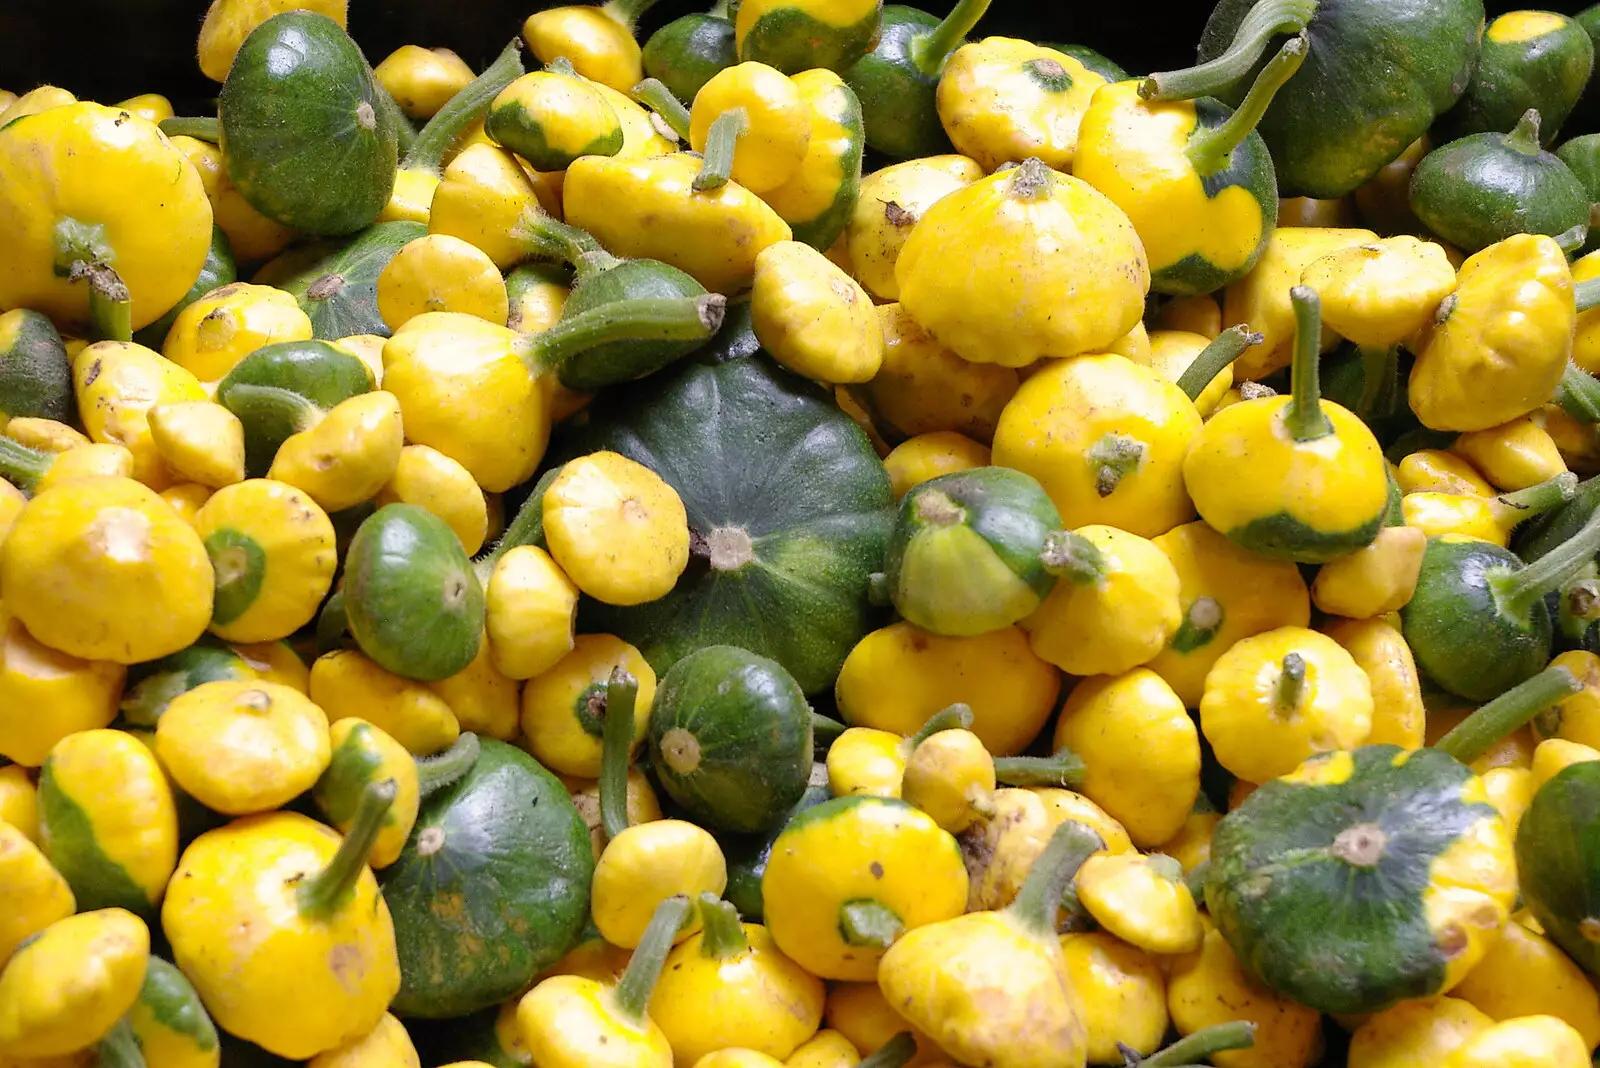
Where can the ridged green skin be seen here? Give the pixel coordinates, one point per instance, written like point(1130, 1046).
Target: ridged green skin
point(1457, 632)
point(750, 726)
point(685, 53)
point(1009, 515)
point(750, 447)
point(792, 40)
point(1547, 72)
point(747, 857)
point(411, 598)
point(1558, 859)
point(823, 229)
point(336, 283)
point(501, 895)
point(303, 134)
point(35, 374)
point(1333, 935)
point(314, 370)
point(1542, 534)
point(1483, 189)
point(154, 684)
point(623, 361)
point(898, 105)
point(1377, 75)
point(218, 270)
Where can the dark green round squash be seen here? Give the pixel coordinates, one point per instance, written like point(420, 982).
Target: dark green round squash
point(491, 889)
point(336, 283)
point(730, 738)
point(35, 374)
point(1485, 187)
point(1558, 861)
point(1318, 881)
point(304, 133)
point(897, 82)
point(604, 280)
point(747, 855)
point(788, 505)
point(1529, 59)
point(685, 53)
point(282, 389)
point(411, 598)
point(218, 270)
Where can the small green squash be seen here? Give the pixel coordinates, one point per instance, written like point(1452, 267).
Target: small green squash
point(153, 685)
point(492, 888)
point(336, 283)
point(411, 598)
point(35, 374)
point(788, 505)
point(1320, 879)
point(1485, 187)
point(1530, 59)
point(218, 270)
point(1558, 861)
point(169, 1023)
point(685, 53)
point(747, 856)
point(898, 80)
point(603, 281)
point(304, 133)
point(284, 388)
point(730, 738)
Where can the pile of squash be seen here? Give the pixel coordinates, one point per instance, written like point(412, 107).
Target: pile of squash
point(826, 539)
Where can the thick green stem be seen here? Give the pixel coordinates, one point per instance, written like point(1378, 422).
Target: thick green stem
point(633, 990)
point(1114, 457)
point(1286, 695)
point(22, 466)
point(647, 319)
point(110, 303)
point(1515, 591)
point(1031, 180)
point(824, 729)
point(654, 94)
point(1040, 897)
point(323, 894)
point(1524, 504)
point(1380, 378)
point(929, 50)
point(1579, 392)
point(526, 528)
point(1223, 350)
point(1524, 137)
point(1587, 294)
point(1304, 417)
point(869, 923)
point(440, 770)
point(1073, 557)
point(1479, 732)
point(1198, 1047)
point(1211, 149)
point(199, 128)
point(119, 1049)
point(958, 717)
point(462, 110)
point(249, 401)
point(616, 745)
point(1065, 769)
point(552, 239)
point(892, 1054)
point(721, 934)
point(721, 141)
point(1266, 20)
point(627, 12)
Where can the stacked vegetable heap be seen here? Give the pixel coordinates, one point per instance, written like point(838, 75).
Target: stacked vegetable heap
point(617, 588)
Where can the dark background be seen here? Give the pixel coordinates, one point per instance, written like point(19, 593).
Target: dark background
point(110, 49)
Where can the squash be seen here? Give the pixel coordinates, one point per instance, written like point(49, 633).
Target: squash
point(898, 80)
point(686, 52)
point(1378, 74)
point(1530, 59)
point(730, 738)
point(218, 270)
point(279, 390)
point(1556, 852)
point(35, 373)
point(782, 575)
point(304, 132)
point(337, 283)
point(1401, 875)
point(798, 35)
point(747, 856)
point(170, 1023)
point(492, 888)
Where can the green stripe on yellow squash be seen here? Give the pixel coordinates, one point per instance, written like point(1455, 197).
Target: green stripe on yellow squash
point(797, 35)
point(35, 374)
point(169, 1022)
point(552, 117)
point(363, 755)
point(1363, 878)
point(1529, 59)
point(818, 201)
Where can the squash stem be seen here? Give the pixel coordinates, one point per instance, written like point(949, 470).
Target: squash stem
point(440, 770)
point(616, 745)
point(1286, 695)
point(869, 923)
point(1073, 557)
point(405, 134)
point(1587, 294)
point(892, 1054)
point(1065, 769)
point(1211, 149)
point(1524, 504)
point(526, 528)
point(119, 1049)
point(719, 10)
point(627, 12)
point(1030, 180)
point(468, 105)
point(1481, 731)
point(23, 466)
point(1223, 350)
point(1266, 20)
point(1198, 1047)
point(958, 717)
point(929, 50)
point(824, 729)
point(1380, 378)
point(323, 894)
point(633, 990)
point(1039, 899)
point(721, 933)
point(249, 401)
point(1514, 592)
point(654, 94)
point(110, 303)
point(645, 319)
point(721, 140)
point(1304, 417)
point(201, 128)
point(1524, 137)
point(554, 240)
point(1579, 392)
